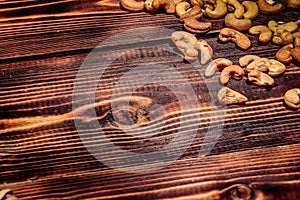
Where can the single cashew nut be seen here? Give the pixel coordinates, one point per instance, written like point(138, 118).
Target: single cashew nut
point(229, 34)
point(238, 24)
point(194, 12)
point(152, 5)
point(293, 3)
point(228, 96)
point(289, 26)
point(133, 5)
point(292, 98)
point(276, 68)
point(197, 2)
point(259, 78)
point(193, 25)
point(265, 34)
point(217, 64)
point(269, 6)
point(185, 42)
point(282, 37)
point(238, 8)
point(284, 54)
point(295, 52)
point(261, 64)
point(233, 71)
point(219, 11)
point(205, 49)
point(296, 36)
point(182, 8)
point(251, 9)
point(247, 59)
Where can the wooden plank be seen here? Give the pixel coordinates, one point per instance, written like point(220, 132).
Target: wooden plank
point(44, 43)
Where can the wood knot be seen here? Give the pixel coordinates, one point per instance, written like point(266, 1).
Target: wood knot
point(240, 192)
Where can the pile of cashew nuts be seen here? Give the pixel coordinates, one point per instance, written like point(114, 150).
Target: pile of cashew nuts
point(238, 16)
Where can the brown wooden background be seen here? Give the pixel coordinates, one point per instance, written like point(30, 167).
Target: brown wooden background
point(43, 44)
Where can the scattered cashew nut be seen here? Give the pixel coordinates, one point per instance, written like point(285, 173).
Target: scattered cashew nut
point(185, 42)
point(233, 71)
point(133, 5)
point(152, 5)
point(182, 8)
point(259, 78)
point(282, 37)
point(269, 6)
point(275, 68)
point(238, 8)
point(219, 11)
point(238, 24)
point(197, 2)
point(206, 52)
point(260, 64)
point(295, 52)
point(284, 54)
point(292, 98)
point(194, 12)
point(251, 9)
point(265, 34)
point(193, 25)
point(296, 36)
point(293, 3)
point(247, 59)
point(228, 96)
point(229, 34)
point(217, 64)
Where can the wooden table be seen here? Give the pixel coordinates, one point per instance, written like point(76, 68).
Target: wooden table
point(45, 154)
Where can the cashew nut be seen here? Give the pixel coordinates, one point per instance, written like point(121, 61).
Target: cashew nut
point(205, 49)
point(229, 34)
point(292, 98)
point(185, 42)
point(238, 8)
point(265, 34)
point(219, 11)
point(228, 96)
point(293, 3)
point(282, 37)
point(251, 9)
point(296, 36)
point(182, 8)
point(152, 5)
point(193, 25)
point(247, 59)
point(188, 44)
point(295, 52)
point(217, 64)
point(275, 68)
point(269, 6)
point(289, 26)
point(194, 12)
point(133, 5)
point(284, 54)
point(238, 24)
point(197, 2)
point(261, 64)
point(233, 71)
point(259, 78)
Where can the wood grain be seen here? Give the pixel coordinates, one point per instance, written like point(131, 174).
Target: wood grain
point(43, 46)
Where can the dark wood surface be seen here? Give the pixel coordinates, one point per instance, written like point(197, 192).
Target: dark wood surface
point(43, 45)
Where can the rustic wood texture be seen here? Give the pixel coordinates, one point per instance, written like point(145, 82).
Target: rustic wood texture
point(43, 45)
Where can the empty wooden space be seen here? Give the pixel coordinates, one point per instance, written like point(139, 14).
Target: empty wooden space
point(69, 93)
